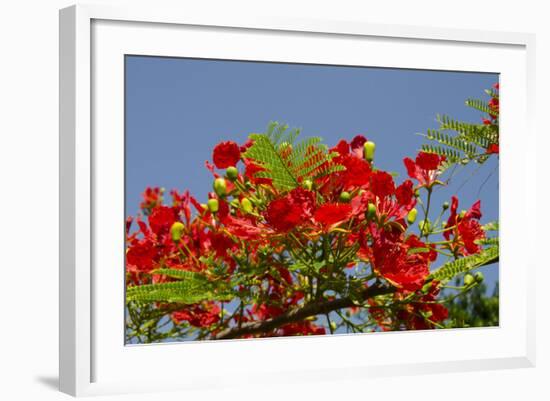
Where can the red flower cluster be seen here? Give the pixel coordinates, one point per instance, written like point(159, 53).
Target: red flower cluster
point(464, 228)
point(492, 120)
point(226, 154)
point(391, 256)
point(278, 250)
point(425, 168)
point(291, 210)
point(197, 316)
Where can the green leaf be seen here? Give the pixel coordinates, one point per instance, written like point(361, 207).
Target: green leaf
point(463, 142)
point(479, 105)
point(287, 162)
point(192, 288)
point(181, 274)
point(459, 143)
point(492, 226)
point(488, 241)
point(465, 264)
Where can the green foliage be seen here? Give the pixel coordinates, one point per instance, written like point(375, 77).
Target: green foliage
point(191, 288)
point(479, 105)
point(459, 143)
point(492, 226)
point(286, 161)
point(463, 142)
point(474, 308)
point(451, 269)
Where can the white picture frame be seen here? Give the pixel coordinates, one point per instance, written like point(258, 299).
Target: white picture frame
point(92, 39)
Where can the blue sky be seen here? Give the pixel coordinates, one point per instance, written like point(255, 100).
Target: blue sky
point(177, 110)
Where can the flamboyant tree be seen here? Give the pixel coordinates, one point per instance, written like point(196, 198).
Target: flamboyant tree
point(297, 238)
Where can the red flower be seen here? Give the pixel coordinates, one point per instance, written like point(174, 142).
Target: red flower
point(342, 148)
point(405, 196)
point(413, 242)
point(470, 231)
point(220, 243)
point(141, 256)
point(357, 172)
point(161, 219)
point(382, 184)
point(302, 328)
point(251, 169)
point(357, 145)
point(199, 316)
point(330, 214)
point(283, 214)
point(493, 148)
point(494, 105)
point(391, 258)
point(242, 228)
point(152, 197)
point(424, 169)
point(226, 154)
point(425, 313)
point(466, 229)
point(244, 147)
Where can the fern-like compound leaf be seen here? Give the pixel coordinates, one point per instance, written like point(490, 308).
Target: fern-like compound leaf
point(288, 162)
point(451, 269)
point(191, 289)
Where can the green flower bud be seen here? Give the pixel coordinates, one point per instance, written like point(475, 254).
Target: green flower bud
point(368, 149)
point(204, 206)
point(469, 279)
point(479, 277)
point(246, 205)
point(462, 214)
point(333, 325)
point(308, 184)
point(176, 230)
point(445, 205)
point(411, 216)
point(371, 211)
point(425, 226)
point(213, 205)
point(361, 192)
point(220, 187)
point(416, 193)
point(345, 197)
point(235, 203)
point(232, 173)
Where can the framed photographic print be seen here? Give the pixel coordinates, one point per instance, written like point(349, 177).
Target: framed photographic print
point(347, 196)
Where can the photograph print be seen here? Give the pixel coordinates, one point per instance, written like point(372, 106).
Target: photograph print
point(268, 199)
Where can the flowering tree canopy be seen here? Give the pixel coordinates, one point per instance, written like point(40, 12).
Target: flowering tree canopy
point(297, 238)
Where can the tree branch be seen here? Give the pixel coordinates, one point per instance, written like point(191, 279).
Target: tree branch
point(298, 314)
